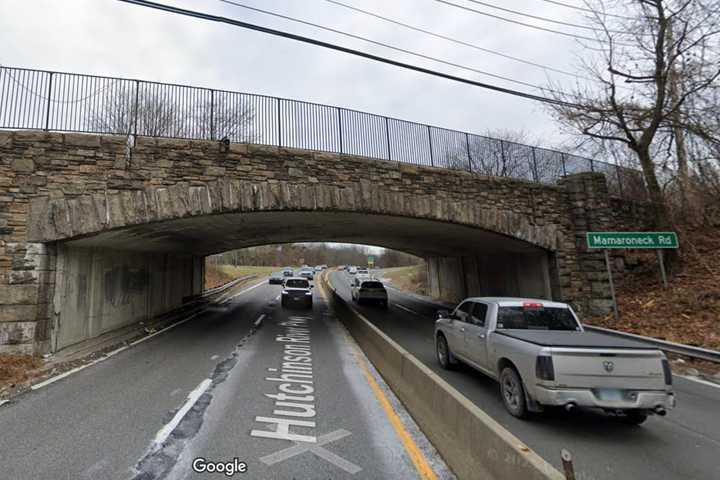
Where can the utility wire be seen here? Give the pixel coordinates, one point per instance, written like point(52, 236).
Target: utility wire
point(545, 19)
point(339, 48)
point(582, 9)
point(386, 45)
point(453, 40)
point(529, 25)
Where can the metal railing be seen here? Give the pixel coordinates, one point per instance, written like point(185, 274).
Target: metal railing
point(39, 99)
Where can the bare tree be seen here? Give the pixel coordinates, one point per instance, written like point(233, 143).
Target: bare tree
point(653, 60)
point(156, 113)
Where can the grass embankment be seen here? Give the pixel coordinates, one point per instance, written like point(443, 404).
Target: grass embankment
point(409, 279)
point(14, 369)
point(216, 275)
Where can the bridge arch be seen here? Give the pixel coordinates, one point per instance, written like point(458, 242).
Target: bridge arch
point(89, 207)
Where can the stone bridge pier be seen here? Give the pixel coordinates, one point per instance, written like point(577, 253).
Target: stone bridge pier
point(96, 235)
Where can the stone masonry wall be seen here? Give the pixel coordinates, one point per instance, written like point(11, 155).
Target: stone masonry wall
point(82, 184)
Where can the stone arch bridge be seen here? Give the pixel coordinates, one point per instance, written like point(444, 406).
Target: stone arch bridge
point(95, 234)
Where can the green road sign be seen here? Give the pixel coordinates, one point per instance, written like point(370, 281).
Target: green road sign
point(644, 240)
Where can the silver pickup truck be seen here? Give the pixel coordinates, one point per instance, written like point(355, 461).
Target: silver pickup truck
point(541, 356)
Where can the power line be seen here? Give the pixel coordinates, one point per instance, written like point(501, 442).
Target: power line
point(545, 19)
point(451, 39)
point(529, 25)
point(386, 45)
point(582, 9)
point(339, 48)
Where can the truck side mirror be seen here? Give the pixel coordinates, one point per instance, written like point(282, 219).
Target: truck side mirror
point(443, 314)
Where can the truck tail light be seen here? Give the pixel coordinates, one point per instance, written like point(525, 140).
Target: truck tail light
point(667, 371)
point(544, 369)
point(532, 305)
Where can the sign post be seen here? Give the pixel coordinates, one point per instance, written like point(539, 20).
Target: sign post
point(658, 241)
point(371, 261)
point(612, 285)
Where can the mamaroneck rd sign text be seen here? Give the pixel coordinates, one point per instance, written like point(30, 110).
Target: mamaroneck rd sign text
point(650, 240)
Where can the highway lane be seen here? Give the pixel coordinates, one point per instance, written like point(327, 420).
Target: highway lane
point(683, 445)
point(199, 389)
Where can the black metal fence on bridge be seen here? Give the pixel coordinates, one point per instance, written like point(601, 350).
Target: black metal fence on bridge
point(39, 99)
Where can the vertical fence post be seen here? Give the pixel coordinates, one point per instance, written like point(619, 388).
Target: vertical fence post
point(562, 158)
point(502, 157)
point(387, 135)
point(432, 162)
point(619, 177)
point(340, 129)
point(135, 108)
point(279, 123)
point(467, 144)
point(535, 170)
point(592, 165)
point(212, 114)
point(49, 101)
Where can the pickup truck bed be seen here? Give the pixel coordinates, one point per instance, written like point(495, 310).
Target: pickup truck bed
point(569, 339)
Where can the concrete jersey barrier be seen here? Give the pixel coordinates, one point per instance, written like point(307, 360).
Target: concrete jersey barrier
point(473, 444)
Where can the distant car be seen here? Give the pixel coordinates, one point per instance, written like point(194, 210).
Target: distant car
point(352, 270)
point(288, 272)
point(276, 278)
point(297, 291)
point(342, 267)
point(363, 271)
point(369, 291)
point(318, 268)
point(307, 273)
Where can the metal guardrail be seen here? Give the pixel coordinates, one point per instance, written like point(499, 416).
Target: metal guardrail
point(58, 101)
point(672, 347)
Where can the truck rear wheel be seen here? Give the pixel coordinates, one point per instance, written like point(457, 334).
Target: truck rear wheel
point(513, 393)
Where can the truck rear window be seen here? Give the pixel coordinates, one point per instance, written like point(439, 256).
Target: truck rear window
point(522, 318)
point(297, 283)
point(377, 285)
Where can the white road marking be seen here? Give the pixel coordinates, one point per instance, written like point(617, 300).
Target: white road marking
point(409, 310)
point(259, 320)
point(214, 357)
point(317, 449)
point(143, 339)
point(192, 398)
point(244, 291)
point(125, 347)
point(698, 380)
point(175, 392)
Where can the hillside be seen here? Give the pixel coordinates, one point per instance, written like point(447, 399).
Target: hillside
point(688, 311)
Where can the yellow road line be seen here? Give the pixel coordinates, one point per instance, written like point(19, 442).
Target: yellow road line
point(416, 455)
point(418, 458)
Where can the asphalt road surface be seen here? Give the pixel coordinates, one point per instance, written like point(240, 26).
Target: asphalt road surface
point(683, 445)
point(219, 388)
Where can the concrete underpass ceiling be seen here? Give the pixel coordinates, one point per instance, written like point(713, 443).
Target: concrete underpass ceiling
point(211, 234)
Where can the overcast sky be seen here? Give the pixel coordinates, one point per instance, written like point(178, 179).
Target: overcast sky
point(107, 37)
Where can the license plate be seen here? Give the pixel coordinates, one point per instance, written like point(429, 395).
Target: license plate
point(610, 394)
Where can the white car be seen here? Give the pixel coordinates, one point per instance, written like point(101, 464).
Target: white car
point(352, 270)
point(371, 291)
point(297, 291)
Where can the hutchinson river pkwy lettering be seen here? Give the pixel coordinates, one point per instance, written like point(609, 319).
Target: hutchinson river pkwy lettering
point(295, 398)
